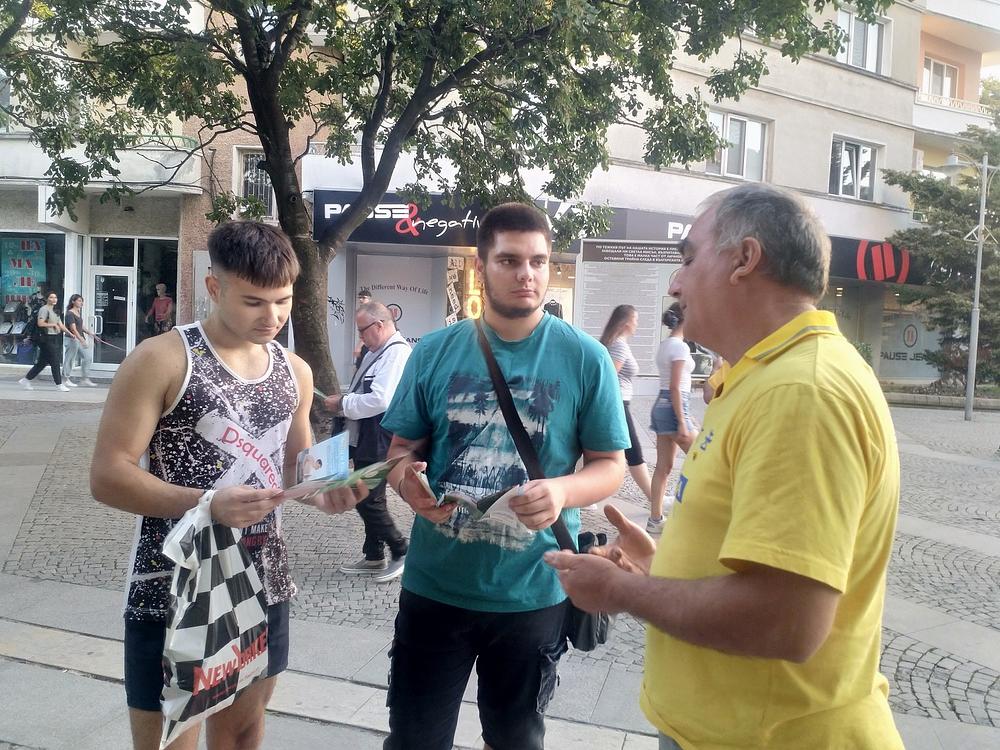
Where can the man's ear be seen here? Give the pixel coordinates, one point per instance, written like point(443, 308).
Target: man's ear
point(747, 257)
point(214, 287)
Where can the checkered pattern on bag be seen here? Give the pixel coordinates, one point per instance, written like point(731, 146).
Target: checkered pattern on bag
point(216, 640)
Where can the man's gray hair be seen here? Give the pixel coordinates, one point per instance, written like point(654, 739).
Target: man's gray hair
point(795, 245)
point(377, 311)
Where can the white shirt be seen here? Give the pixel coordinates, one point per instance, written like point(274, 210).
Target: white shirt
point(673, 349)
point(384, 376)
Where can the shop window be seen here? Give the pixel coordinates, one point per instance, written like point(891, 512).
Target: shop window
point(30, 260)
point(256, 183)
point(940, 79)
point(112, 251)
point(157, 264)
point(852, 169)
point(744, 156)
point(865, 44)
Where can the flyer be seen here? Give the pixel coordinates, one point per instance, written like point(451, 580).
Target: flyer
point(325, 460)
point(372, 476)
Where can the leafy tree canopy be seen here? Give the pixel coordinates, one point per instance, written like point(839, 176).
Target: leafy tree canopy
point(944, 246)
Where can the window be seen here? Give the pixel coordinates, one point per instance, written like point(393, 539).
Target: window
point(864, 46)
point(744, 156)
point(852, 169)
point(940, 79)
point(257, 183)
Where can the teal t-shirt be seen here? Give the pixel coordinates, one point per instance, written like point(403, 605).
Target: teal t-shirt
point(566, 391)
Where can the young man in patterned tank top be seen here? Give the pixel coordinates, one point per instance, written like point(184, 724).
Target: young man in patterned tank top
point(220, 406)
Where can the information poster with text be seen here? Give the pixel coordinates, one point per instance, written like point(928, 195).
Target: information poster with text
point(404, 286)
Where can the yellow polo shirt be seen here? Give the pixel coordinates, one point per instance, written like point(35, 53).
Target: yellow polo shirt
point(796, 467)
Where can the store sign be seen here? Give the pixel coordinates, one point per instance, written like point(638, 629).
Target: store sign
point(23, 267)
point(871, 260)
point(396, 221)
point(631, 251)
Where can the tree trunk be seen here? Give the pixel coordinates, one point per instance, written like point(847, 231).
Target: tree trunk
point(309, 315)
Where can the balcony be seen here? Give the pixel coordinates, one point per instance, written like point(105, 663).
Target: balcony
point(154, 161)
point(982, 13)
point(942, 114)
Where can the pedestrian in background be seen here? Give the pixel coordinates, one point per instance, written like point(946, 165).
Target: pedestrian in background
point(49, 344)
point(764, 597)
point(670, 417)
point(78, 344)
point(371, 391)
point(622, 324)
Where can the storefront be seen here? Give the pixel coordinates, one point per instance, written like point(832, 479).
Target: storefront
point(112, 254)
point(634, 262)
point(418, 260)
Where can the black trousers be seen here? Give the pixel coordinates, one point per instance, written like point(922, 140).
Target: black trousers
point(380, 529)
point(49, 355)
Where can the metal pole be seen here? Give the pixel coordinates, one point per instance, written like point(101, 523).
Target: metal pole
point(970, 375)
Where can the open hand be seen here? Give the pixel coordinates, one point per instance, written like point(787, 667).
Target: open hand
point(540, 503)
point(243, 506)
point(633, 550)
point(589, 580)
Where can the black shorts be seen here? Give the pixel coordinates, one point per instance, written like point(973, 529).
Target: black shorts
point(144, 656)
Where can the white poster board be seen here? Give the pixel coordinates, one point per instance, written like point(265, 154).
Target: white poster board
point(404, 285)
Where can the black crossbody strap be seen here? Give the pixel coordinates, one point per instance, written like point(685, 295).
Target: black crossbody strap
point(525, 448)
point(358, 377)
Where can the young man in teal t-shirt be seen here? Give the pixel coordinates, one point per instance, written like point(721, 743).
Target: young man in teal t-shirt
point(478, 588)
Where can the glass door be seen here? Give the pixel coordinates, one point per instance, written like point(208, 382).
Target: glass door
point(112, 304)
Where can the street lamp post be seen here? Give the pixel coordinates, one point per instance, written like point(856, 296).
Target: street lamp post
point(952, 166)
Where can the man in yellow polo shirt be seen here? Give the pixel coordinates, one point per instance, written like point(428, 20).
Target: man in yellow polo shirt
point(764, 599)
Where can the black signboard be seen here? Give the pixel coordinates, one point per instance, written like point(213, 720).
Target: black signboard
point(631, 251)
point(396, 221)
point(872, 260)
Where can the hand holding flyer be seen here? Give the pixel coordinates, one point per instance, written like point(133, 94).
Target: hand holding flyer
point(371, 475)
point(495, 506)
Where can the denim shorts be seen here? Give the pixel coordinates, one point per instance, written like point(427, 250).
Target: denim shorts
point(144, 656)
point(663, 420)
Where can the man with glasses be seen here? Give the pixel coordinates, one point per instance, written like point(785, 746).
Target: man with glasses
point(372, 388)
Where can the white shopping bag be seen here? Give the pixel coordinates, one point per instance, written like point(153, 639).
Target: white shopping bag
point(216, 640)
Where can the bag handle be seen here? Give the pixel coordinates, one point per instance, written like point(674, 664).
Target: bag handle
point(525, 448)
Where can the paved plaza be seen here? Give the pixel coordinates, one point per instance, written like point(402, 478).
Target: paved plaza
point(63, 560)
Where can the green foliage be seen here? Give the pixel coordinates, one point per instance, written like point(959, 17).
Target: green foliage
point(940, 249)
point(226, 205)
point(480, 93)
point(990, 95)
point(864, 349)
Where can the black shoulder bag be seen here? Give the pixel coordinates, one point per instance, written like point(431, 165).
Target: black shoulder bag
point(585, 630)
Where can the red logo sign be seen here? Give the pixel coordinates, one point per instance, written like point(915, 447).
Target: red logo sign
point(880, 261)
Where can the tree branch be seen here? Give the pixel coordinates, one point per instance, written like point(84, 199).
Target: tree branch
point(20, 16)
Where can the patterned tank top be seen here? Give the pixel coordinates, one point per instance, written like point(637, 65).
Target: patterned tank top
point(221, 431)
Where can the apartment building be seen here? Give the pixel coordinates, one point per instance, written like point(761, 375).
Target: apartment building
point(895, 97)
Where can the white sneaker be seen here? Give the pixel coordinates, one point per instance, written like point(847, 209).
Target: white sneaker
point(70, 383)
point(88, 382)
point(26, 384)
point(655, 525)
point(62, 387)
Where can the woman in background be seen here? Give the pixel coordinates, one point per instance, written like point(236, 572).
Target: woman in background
point(670, 418)
point(78, 343)
point(623, 323)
